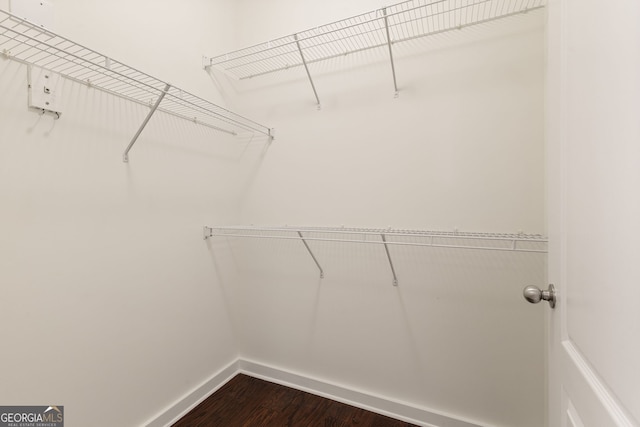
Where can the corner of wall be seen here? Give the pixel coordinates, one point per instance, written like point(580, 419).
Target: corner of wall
point(340, 393)
point(182, 406)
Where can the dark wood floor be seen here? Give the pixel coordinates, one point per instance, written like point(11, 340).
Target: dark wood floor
point(249, 402)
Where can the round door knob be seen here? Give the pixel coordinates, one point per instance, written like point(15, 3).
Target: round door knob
point(534, 295)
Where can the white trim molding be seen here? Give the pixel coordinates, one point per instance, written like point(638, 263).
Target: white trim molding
point(182, 406)
point(379, 404)
point(600, 401)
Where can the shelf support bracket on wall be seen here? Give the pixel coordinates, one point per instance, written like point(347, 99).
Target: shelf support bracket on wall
point(393, 270)
point(207, 232)
point(306, 67)
point(393, 68)
point(306, 245)
point(125, 156)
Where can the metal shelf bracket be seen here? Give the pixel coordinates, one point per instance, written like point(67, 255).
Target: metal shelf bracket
point(306, 245)
point(393, 67)
point(306, 67)
point(125, 156)
point(393, 270)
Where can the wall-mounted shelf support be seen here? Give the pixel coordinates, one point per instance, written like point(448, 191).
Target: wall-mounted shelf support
point(306, 67)
point(393, 67)
point(520, 242)
point(32, 45)
point(306, 245)
point(393, 270)
point(125, 156)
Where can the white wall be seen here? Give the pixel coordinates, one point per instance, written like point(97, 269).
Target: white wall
point(462, 147)
point(111, 297)
point(111, 303)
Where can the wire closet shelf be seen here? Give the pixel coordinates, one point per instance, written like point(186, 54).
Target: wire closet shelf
point(380, 28)
point(518, 242)
point(31, 44)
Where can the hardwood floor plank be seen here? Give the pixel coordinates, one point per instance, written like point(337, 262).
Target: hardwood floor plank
point(250, 402)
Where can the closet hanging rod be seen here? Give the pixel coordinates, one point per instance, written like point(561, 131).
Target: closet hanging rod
point(28, 43)
point(439, 239)
point(391, 231)
point(432, 245)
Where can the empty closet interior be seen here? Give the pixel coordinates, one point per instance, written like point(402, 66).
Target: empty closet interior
point(344, 197)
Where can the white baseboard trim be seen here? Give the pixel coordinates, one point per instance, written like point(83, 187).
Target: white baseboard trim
point(378, 404)
point(182, 406)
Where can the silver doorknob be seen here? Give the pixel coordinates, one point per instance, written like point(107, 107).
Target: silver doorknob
point(534, 295)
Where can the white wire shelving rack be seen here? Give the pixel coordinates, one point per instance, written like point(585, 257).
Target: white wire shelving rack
point(33, 45)
point(378, 29)
point(519, 242)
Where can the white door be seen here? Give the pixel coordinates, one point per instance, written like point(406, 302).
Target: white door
point(593, 139)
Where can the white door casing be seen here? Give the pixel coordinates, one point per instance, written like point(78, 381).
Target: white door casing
point(593, 143)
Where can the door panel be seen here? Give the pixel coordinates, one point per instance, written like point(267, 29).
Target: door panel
point(587, 396)
point(593, 140)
